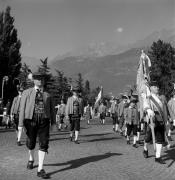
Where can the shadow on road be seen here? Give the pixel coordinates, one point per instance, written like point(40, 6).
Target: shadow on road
point(6, 130)
point(101, 139)
point(103, 134)
point(170, 155)
point(82, 161)
point(59, 133)
point(56, 139)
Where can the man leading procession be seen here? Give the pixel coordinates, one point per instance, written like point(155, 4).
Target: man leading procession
point(36, 116)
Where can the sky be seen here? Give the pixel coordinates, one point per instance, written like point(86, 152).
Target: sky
point(48, 28)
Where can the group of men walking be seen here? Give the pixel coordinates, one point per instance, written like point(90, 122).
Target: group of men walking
point(33, 111)
point(157, 122)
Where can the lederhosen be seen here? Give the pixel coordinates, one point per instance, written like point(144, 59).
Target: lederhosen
point(115, 115)
point(132, 127)
point(159, 126)
point(39, 125)
point(103, 113)
point(75, 117)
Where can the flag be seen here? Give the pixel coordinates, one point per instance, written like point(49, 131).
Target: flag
point(143, 77)
point(99, 97)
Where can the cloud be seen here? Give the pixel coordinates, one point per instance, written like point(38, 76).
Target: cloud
point(119, 30)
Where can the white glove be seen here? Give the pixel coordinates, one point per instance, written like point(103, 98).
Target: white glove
point(150, 113)
point(173, 122)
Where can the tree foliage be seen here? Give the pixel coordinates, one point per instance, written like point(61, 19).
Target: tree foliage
point(10, 57)
point(44, 69)
point(162, 57)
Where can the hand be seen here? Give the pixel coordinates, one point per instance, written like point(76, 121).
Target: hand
point(150, 113)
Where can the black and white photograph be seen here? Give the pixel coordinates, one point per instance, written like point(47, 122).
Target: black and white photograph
point(87, 89)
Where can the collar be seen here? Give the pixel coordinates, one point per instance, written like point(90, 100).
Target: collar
point(37, 88)
point(75, 97)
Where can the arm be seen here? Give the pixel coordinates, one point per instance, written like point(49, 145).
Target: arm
point(22, 108)
point(12, 108)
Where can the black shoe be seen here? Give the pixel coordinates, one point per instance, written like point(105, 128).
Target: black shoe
point(145, 154)
point(30, 164)
point(159, 160)
point(18, 143)
point(169, 138)
point(71, 138)
point(113, 129)
point(42, 174)
point(138, 142)
point(77, 142)
point(134, 145)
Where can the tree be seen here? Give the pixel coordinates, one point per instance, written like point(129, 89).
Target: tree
point(10, 57)
point(87, 87)
point(79, 83)
point(23, 76)
point(162, 57)
point(61, 89)
point(45, 71)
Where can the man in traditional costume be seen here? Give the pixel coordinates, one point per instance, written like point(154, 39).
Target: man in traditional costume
point(36, 115)
point(121, 112)
point(114, 114)
point(132, 120)
point(156, 115)
point(171, 108)
point(61, 115)
point(102, 111)
point(14, 114)
point(88, 113)
point(74, 112)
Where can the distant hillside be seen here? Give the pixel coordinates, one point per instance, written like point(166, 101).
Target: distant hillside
point(113, 72)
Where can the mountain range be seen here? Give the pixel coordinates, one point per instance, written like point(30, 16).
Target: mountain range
point(105, 64)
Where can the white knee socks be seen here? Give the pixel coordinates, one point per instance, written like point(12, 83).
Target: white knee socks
point(41, 156)
point(158, 150)
point(20, 129)
point(31, 155)
point(76, 135)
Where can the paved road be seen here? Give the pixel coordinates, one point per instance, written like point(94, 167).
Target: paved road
point(101, 155)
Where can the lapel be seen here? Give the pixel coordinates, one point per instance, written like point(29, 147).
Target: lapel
point(158, 106)
point(33, 95)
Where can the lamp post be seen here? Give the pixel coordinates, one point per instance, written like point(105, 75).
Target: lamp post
point(5, 79)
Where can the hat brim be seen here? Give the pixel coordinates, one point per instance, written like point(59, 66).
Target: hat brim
point(125, 97)
point(38, 77)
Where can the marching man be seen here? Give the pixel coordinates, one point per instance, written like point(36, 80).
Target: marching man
point(36, 115)
point(114, 114)
point(14, 113)
point(156, 115)
point(74, 112)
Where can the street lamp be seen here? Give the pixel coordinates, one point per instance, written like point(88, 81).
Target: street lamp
point(5, 79)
